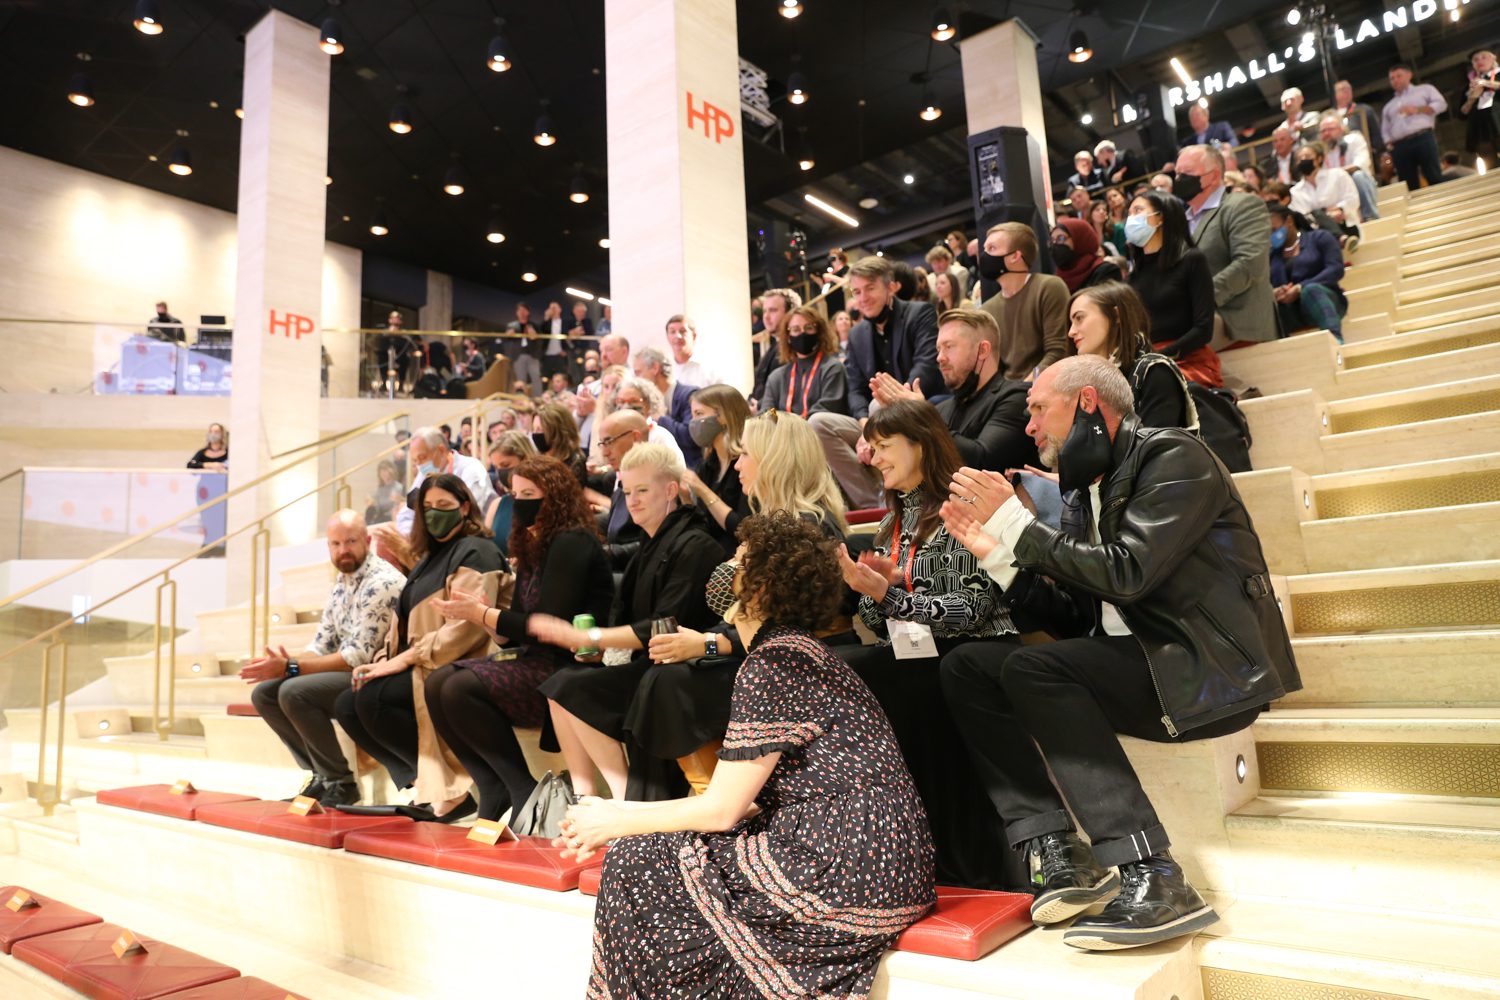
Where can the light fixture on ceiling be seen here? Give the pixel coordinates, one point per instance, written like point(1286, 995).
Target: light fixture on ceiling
point(828, 209)
point(327, 180)
point(81, 90)
point(578, 191)
point(796, 88)
point(790, 8)
point(528, 276)
point(148, 18)
point(868, 202)
point(544, 134)
point(499, 55)
point(930, 111)
point(453, 181)
point(605, 302)
point(379, 225)
point(1086, 118)
point(1294, 17)
point(604, 243)
point(180, 162)
point(943, 27)
point(400, 122)
point(579, 293)
point(1180, 70)
point(805, 158)
point(492, 232)
point(908, 179)
point(1078, 48)
point(239, 112)
point(330, 39)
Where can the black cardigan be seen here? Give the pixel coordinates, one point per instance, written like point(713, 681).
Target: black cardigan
point(575, 580)
point(1179, 300)
point(668, 577)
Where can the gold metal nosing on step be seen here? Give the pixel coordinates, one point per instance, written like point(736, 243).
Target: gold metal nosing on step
point(1453, 769)
point(1226, 984)
point(1405, 352)
point(1384, 609)
point(1480, 486)
point(1457, 405)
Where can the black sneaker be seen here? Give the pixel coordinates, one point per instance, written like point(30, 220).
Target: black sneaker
point(1068, 880)
point(314, 789)
point(344, 793)
point(1155, 903)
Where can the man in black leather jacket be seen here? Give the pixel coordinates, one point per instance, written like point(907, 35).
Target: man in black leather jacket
point(1158, 590)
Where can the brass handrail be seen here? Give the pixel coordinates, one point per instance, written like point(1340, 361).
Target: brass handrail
point(342, 435)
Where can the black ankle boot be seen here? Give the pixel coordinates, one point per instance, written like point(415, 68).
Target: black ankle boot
point(1155, 903)
point(314, 789)
point(1068, 880)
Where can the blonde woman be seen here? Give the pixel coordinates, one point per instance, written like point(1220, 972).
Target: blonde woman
point(718, 419)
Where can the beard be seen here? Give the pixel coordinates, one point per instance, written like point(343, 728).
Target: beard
point(1049, 453)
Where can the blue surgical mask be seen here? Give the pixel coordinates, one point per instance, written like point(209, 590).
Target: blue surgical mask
point(427, 469)
point(1278, 239)
point(1138, 231)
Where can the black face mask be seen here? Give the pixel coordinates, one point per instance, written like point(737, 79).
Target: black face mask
point(1187, 187)
point(540, 440)
point(1063, 255)
point(1086, 453)
point(803, 343)
point(884, 316)
point(991, 268)
point(523, 512)
point(1306, 167)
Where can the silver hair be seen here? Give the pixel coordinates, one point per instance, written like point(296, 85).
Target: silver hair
point(1334, 117)
point(654, 356)
point(1290, 93)
point(792, 299)
point(655, 405)
point(1102, 145)
point(1213, 156)
point(1072, 374)
point(431, 437)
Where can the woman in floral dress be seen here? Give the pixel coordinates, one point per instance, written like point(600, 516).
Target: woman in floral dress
point(808, 854)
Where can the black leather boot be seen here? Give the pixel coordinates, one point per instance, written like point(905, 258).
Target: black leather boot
point(1155, 903)
point(314, 789)
point(1068, 880)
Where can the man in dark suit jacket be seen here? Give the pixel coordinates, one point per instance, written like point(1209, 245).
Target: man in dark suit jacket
point(1234, 233)
point(655, 367)
point(896, 337)
point(1116, 165)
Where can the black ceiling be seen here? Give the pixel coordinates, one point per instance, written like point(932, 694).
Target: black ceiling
point(864, 60)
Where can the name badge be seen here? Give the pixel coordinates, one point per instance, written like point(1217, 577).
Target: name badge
point(305, 805)
point(183, 787)
point(911, 640)
point(127, 944)
point(20, 901)
point(490, 832)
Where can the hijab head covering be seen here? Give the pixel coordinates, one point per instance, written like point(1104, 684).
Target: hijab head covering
point(1085, 250)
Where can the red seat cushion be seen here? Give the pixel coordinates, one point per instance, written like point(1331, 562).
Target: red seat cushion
point(588, 880)
point(245, 709)
point(160, 800)
point(271, 819)
point(530, 861)
point(33, 921)
point(968, 923)
point(870, 515)
point(243, 988)
point(82, 959)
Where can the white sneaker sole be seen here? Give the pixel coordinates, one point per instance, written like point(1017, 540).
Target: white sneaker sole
point(1099, 939)
point(1064, 904)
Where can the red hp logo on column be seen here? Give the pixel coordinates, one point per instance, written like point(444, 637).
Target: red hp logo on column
point(291, 325)
point(718, 124)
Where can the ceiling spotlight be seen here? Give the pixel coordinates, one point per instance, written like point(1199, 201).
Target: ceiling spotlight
point(180, 163)
point(790, 8)
point(909, 179)
point(578, 192)
point(796, 88)
point(1086, 119)
point(806, 162)
point(493, 233)
point(943, 27)
point(805, 159)
point(327, 179)
point(81, 90)
point(604, 243)
point(499, 57)
point(453, 181)
point(379, 225)
point(400, 122)
point(148, 18)
point(330, 39)
point(1078, 48)
point(543, 134)
point(1294, 17)
point(528, 276)
point(930, 111)
point(868, 202)
point(239, 113)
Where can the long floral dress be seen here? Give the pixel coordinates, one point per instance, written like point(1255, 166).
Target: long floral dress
point(801, 899)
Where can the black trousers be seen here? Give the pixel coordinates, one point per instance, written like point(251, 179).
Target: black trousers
point(381, 717)
point(1416, 157)
point(1059, 705)
point(481, 736)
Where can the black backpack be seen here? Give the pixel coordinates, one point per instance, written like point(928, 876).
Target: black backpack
point(1222, 425)
point(429, 386)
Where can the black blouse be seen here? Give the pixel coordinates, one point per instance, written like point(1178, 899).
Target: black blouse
point(575, 579)
point(1179, 300)
point(726, 486)
point(201, 457)
point(668, 577)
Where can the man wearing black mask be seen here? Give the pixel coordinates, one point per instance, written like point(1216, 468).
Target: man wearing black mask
point(1030, 309)
point(986, 411)
point(1234, 232)
point(1157, 582)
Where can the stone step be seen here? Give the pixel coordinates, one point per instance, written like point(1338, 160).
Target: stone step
point(1480, 394)
point(1450, 300)
point(308, 586)
point(1440, 858)
point(1453, 280)
point(1402, 538)
point(1473, 479)
point(1318, 362)
point(1445, 668)
point(229, 628)
point(1435, 597)
point(1410, 373)
point(1447, 437)
point(1432, 340)
point(1442, 231)
point(1446, 752)
point(1262, 948)
point(1437, 259)
point(1430, 198)
point(131, 677)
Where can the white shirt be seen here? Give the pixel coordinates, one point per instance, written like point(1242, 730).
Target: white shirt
point(472, 472)
point(1331, 189)
point(1006, 525)
point(555, 341)
point(694, 372)
point(1356, 154)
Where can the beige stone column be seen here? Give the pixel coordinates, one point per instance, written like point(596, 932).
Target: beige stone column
point(279, 287)
point(437, 312)
point(1002, 84)
point(677, 228)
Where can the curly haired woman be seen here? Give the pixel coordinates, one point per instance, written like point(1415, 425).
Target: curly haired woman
point(808, 854)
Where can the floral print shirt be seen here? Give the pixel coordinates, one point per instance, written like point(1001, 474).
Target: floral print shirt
point(358, 612)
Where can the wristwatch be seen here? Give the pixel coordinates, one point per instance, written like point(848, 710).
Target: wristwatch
point(711, 644)
point(293, 669)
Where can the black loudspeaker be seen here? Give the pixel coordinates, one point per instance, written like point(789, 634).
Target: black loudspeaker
point(1008, 172)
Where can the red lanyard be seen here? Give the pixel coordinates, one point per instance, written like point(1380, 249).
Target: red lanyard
point(911, 553)
point(806, 389)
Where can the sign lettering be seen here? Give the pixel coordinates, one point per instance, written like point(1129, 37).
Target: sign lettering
point(292, 325)
point(718, 124)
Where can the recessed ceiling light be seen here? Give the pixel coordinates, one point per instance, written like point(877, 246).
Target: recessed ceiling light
point(604, 243)
point(528, 276)
point(453, 181)
point(81, 90)
point(1086, 119)
point(868, 202)
point(400, 122)
point(790, 8)
point(908, 179)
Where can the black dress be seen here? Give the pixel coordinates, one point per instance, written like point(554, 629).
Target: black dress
point(801, 899)
point(725, 484)
point(667, 577)
point(201, 458)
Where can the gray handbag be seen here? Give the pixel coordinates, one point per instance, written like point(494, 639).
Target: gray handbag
point(543, 812)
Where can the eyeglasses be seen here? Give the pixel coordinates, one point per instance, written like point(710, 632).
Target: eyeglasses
point(606, 442)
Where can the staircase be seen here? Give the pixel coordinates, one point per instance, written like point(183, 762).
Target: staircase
point(1350, 838)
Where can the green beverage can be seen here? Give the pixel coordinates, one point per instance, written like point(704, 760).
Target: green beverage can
point(588, 654)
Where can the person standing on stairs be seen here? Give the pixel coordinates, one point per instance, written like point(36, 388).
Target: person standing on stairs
point(295, 694)
point(1170, 632)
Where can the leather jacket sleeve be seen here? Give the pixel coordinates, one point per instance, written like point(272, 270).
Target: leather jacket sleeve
point(1177, 493)
point(1039, 604)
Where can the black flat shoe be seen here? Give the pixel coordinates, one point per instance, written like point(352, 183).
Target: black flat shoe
point(342, 794)
point(467, 807)
point(1068, 879)
point(1155, 903)
point(314, 789)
